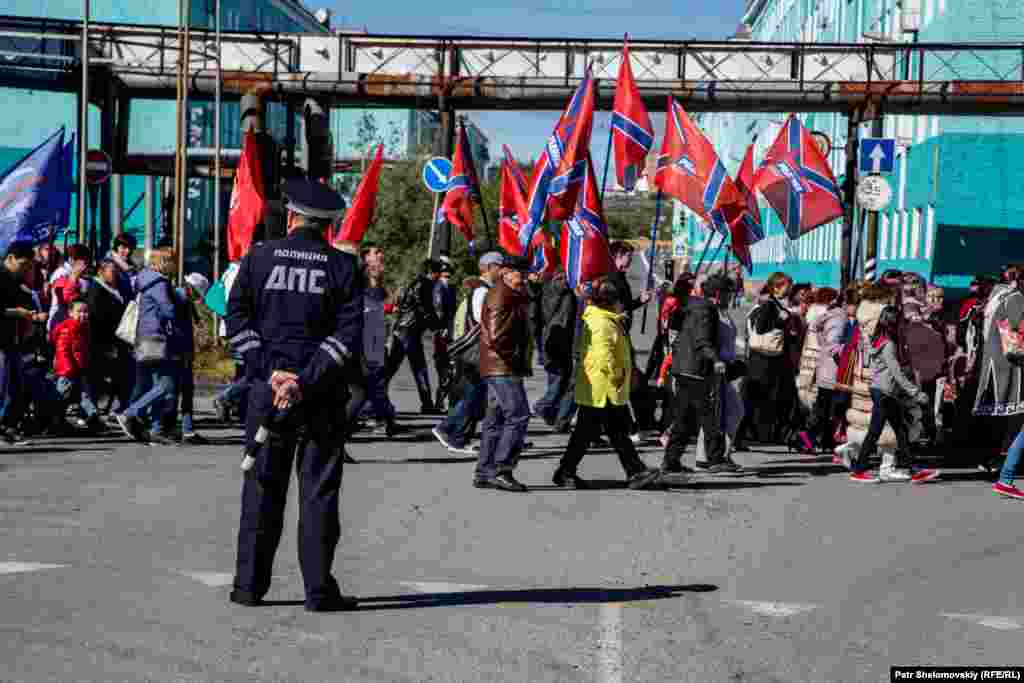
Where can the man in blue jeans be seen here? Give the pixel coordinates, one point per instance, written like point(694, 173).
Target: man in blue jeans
point(504, 342)
point(455, 431)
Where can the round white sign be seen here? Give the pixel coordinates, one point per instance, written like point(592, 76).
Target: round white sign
point(874, 193)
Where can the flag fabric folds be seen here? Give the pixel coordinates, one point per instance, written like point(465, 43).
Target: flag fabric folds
point(797, 182)
point(360, 214)
point(632, 132)
point(68, 176)
point(744, 218)
point(463, 188)
point(543, 257)
point(558, 174)
point(568, 149)
point(248, 200)
point(33, 194)
point(689, 168)
point(511, 206)
point(584, 247)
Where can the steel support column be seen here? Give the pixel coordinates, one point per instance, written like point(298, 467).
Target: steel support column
point(108, 142)
point(849, 195)
point(149, 208)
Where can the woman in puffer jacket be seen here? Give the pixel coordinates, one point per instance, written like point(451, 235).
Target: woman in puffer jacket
point(161, 342)
point(828, 331)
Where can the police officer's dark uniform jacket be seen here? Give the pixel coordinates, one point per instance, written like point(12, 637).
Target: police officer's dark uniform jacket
point(297, 306)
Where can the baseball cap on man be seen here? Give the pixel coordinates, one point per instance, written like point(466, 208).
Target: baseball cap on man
point(491, 258)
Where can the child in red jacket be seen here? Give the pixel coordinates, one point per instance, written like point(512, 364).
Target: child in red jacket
point(70, 339)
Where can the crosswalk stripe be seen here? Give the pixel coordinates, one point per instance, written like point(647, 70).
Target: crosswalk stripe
point(20, 567)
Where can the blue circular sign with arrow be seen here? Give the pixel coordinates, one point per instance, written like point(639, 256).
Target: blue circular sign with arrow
point(435, 174)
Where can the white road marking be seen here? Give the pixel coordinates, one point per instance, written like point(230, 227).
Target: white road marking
point(19, 567)
point(434, 587)
point(774, 609)
point(998, 623)
point(211, 579)
point(609, 643)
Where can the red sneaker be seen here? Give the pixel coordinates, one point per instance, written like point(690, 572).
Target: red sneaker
point(867, 477)
point(1007, 490)
point(924, 474)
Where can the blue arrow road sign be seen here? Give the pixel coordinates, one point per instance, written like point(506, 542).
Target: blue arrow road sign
point(877, 155)
point(435, 174)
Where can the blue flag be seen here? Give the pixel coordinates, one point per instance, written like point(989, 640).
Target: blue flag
point(32, 194)
point(67, 187)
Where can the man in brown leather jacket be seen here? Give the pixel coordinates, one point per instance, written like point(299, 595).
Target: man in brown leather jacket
point(504, 340)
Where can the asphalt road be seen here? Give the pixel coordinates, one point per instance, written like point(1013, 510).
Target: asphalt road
point(116, 559)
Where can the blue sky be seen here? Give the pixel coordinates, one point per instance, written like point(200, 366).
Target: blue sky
point(525, 132)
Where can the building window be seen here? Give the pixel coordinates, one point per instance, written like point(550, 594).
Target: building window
point(922, 129)
point(904, 233)
point(929, 6)
point(883, 237)
point(929, 232)
point(942, 7)
point(935, 127)
point(915, 235)
point(895, 251)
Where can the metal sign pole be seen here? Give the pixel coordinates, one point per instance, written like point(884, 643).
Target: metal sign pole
point(217, 165)
point(83, 124)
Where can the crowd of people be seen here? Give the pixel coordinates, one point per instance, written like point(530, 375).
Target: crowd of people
point(63, 345)
point(874, 376)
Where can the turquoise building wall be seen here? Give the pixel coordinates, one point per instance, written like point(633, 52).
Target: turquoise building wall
point(955, 208)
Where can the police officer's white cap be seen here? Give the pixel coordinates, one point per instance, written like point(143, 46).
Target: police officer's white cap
point(313, 199)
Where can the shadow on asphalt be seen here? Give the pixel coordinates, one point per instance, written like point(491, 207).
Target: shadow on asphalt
point(787, 470)
point(530, 596)
point(691, 485)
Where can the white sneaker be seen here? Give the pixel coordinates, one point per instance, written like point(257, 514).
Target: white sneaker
point(635, 438)
point(894, 474)
point(845, 453)
point(464, 450)
point(889, 472)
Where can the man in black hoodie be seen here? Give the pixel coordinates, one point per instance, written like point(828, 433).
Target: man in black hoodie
point(699, 374)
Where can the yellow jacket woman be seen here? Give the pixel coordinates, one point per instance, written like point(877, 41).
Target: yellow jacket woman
point(602, 392)
point(602, 376)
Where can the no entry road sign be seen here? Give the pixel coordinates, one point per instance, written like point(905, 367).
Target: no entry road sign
point(98, 166)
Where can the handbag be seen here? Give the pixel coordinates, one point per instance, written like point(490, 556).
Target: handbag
point(1012, 342)
point(769, 343)
point(465, 350)
point(129, 324)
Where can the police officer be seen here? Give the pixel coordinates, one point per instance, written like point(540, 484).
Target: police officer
point(296, 315)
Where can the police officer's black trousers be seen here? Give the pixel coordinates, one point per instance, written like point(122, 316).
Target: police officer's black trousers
point(315, 450)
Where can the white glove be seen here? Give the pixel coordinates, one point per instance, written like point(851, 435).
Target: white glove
point(719, 368)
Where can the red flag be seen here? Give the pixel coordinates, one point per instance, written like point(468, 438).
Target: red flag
point(586, 253)
point(248, 202)
point(744, 217)
point(797, 182)
point(632, 132)
point(543, 257)
point(689, 168)
point(463, 188)
point(567, 151)
point(511, 207)
point(360, 214)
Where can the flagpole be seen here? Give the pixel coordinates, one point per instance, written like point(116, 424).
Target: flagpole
point(717, 249)
point(707, 245)
point(607, 165)
point(653, 255)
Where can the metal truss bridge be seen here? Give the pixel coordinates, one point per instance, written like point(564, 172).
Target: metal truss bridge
point(520, 73)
